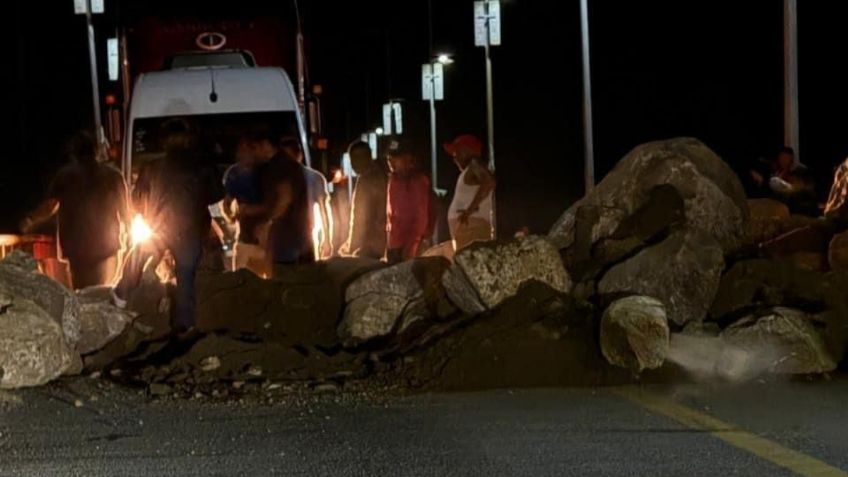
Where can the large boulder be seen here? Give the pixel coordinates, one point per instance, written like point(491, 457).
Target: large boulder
point(782, 340)
point(837, 254)
point(33, 348)
point(300, 305)
point(22, 260)
point(767, 219)
point(658, 186)
point(392, 300)
point(752, 287)
point(484, 275)
point(150, 304)
point(770, 219)
point(634, 333)
point(683, 272)
point(100, 320)
point(18, 279)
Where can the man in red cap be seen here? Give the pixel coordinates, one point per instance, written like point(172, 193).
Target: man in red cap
point(470, 212)
point(408, 204)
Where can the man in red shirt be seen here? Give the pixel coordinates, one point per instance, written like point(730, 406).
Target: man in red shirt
point(408, 204)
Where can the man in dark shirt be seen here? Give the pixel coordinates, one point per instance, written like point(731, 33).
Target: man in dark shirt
point(91, 201)
point(174, 194)
point(285, 203)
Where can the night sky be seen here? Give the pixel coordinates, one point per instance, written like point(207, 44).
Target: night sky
point(704, 68)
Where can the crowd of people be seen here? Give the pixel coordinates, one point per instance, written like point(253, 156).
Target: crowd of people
point(280, 208)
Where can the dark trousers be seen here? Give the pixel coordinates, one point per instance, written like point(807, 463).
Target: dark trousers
point(187, 254)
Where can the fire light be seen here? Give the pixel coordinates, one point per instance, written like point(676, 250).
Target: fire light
point(140, 231)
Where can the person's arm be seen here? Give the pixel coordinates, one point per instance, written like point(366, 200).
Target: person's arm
point(44, 212)
point(486, 180)
point(227, 208)
point(284, 196)
point(757, 177)
point(48, 207)
point(422, 200)
point(327, 221)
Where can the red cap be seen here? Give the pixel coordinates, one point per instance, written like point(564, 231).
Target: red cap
point(466, 142)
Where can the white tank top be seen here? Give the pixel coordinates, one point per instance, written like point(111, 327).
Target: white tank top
point(462, 197)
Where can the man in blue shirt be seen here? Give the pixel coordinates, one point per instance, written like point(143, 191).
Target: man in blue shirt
point(242, 205)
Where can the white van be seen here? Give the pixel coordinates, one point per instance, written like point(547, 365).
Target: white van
point(221, 102)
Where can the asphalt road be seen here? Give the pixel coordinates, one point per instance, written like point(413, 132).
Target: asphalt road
point(691, 430)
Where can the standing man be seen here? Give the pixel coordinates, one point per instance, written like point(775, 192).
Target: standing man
point(285, 203)
point(408, 204)
point(91, 201)
point(241, 198)
point(318, 193)
point(470, 212)
point(174, 194)
point(367, 236)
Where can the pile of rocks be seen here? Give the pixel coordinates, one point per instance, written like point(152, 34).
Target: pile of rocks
point(45, 328)
point(668, 243)
point(664, 260)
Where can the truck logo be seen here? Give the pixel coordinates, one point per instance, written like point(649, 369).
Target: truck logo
point(211, 41)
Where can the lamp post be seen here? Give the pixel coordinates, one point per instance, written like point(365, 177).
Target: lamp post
point(432, 90)
point(487, 33)
point(87, 8)
point(790, 76)
point(588, 141)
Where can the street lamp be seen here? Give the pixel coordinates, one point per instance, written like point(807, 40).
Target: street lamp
point(487, 33)
point(444, 59)
point(588, 140)
point(433, 89)
point(88, 8)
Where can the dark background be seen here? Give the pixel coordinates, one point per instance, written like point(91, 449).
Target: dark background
point(704, 68)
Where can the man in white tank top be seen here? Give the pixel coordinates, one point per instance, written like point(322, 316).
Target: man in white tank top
point(470, 212)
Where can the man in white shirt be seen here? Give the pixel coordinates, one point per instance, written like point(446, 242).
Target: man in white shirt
point(470, 212)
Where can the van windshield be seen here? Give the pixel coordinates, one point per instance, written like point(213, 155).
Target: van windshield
point(219, 133)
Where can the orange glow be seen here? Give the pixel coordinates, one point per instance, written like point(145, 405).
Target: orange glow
point(139, 230)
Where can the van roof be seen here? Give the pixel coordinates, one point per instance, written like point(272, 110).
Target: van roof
point(189, 91)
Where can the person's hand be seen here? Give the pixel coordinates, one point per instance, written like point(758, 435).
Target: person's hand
point(758, 178)
point(26, 225)
point(326, 250)
point(424, 244)
point(464, 215)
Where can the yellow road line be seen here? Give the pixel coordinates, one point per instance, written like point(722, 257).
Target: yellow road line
point(771, 451)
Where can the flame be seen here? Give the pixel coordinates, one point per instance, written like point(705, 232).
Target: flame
point(139, 230)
